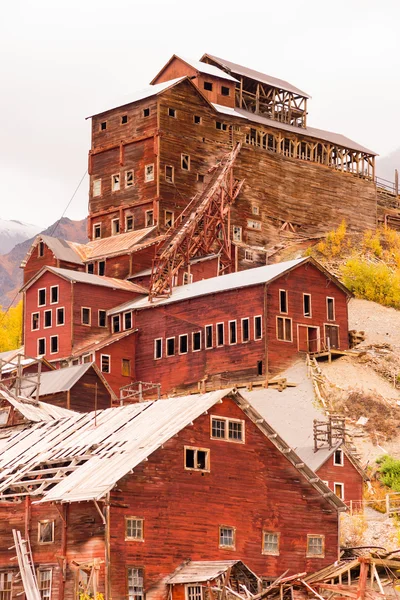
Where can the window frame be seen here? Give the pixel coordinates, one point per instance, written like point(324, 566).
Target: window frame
point(187, 278)
point(209, 85)
point(45, 297)
point(221, 126)
point(109, 363)
point(124, 119)
point(115, 182)
point(58, 346)
point(168, 339)
point(46, 312)
point(96, 227)
point(38, 346)
point(114, 227)
point(38, 321)
point(172, 112)
point(193, 334)
point(149, 175)
point(116, 319)
point(285, 292)
point(333, 309)
point(206, 327)
point(40, 581)
point(102, 310)
point(225, 546)
point(313, 555)
point(90, 316)
point(84, 356)
point(155, 349)
point(127, 183)
point(284, 329)
point(169, 179)
point(141, 571)
point(218, 345)
point(268, 552)
point(305, 315)
point(58, 310)
point(225, 91)
point(229, 331)
point(147, 212)
point(128, 312)
point(254, 225)
point(200, 119)
point(226, 437)
point(185, 158)
point(248, 255)
point(129, 370)
point(45, 522)
point(196, 449)
point(7, 592)
point(130, 538)
point(237, 233)
point(341, 485)
point(128, 229)
point(146, 112)
point(195, 596)
point(341, 463)
point(183, 335)
point(96, 187)
point(54, 287)
point(242, 320)
point(101, 262)
point(172, 220)
point(256, 339)
point(255, 210)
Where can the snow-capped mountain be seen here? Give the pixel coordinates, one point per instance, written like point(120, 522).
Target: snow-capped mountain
point(15, 232)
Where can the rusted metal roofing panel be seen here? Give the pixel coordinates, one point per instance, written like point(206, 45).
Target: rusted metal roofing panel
point(207, 69)
point(236, 69)
point(62, 249)
point(116, 244)
point(97, 343)
point(198, 571)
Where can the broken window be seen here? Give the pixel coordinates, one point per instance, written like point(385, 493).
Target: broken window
point(97, 231)
point(87, 358)
point(245, 330)
point(232, 332)
point(283, 301)
point(307, 305)
point(54, 294)
point(105, 363)
point(197, 459)
point(114, 226)
point(158, 348)
point(46, 532)
point(149, 219)
point(54, 344)
point(41, 347)
point(208, 86)
point(194, 592)
point(330, 309)
point(315, 545)
point(221, 126)
point(237, 233)
point(338, 458)
point(102, 318)
point(248, 256)
point(170, 346)
point(44, 583)
point(101, 267)
point(223, 428)
point(187, 278)
point(47, 318)
point(183, 344)
point(196, 341)
point(169, 174)
point(255, 210)
point(103, 126)
point(257, 328)
point(126, 367)
point(220, 334)
point(60, 316)
point(185, 162)
point(115, 182)
point(226, 537)
point(271, 543)
point(129, 178)
point(128, 320)
point(96, 187)
point(253, 224)
point(284, 329)
point(124, 119)
point(133, 529)
point(85, 316)
point(172, 112)
point(149, 173)
point(41, 297)
point(129, 223)
point(116, 324)
point(209, 336)
point(35, 321)
point(197, 119)
point(6, 585)
point(339, 490)
point(135, 583)
point(146, 112)
point(169, 218)
point(225, 91)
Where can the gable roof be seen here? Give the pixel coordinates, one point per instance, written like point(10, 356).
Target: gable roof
point(110, 443)
point(58, 380)
point(199, 66)
point(62, 249)
point(95, 343)
point(256, 75)
point(82, 277)
point(199, 571)
point(223, 283)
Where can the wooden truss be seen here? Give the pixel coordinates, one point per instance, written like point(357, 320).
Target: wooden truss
point(328, 433)
point(202, 227)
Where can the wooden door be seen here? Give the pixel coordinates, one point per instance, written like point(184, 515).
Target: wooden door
point(313, 345)
point(302, 338)
point(332, 334)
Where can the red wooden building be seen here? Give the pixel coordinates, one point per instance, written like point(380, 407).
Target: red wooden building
point(114, 501)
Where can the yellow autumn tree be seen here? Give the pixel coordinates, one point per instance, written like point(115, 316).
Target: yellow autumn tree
point(11, 328)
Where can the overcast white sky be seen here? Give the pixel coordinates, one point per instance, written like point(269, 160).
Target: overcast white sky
point(61, 59)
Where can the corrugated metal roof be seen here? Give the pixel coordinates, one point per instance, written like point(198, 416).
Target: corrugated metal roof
point(53, 382)
point(136, 96)
point(215, 285)
point(198, 571)
point(33, 411)
point(115, 245)
point(257, 76)
point(319, 134)
point(62, 249)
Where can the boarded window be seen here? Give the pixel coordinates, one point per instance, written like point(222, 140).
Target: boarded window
point(6, 585)
point(129, 179)
point(169, 173)
point(271, 543)
point(129, 223)
point(197, 459)
point(42, 297)
point(54, 294)
point(97, 231)
point(185, 162)
point(307, 305)
point(35, 321)
point(283, 301)
point(226, 537)
point(102, 318)
point(245, 330)
point(170, 346)
point(225, 91)
point(54, 344)
point(220, 334)
point(149, 173)
point(183, 344)
point(96, 188)
point(330, 309)
point(257, 328)
point(232, 332)
point(284, 329)
point(196, 341)
point(115, 182)
point(126, 367)
point(208, 86)
point(135, 584)
point(105, 363)
point(158, 348)
point(86, 316)
point(46, 532)
point(134, 529)
point(44, 583)
point(47, 318)
point(315, 545)
point(209, 336)
point(41, 346)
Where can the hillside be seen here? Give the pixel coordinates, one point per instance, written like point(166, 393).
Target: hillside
point(11, 274)
point(15, 232)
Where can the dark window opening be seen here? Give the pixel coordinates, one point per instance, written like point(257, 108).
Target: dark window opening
point(124, 119)
point(41, 346)
point(221, 126)
point(245, 330)
point(103, 126)
point(197, 119)
point(232, 332)
point(220, 334)
point(338, 457)
point(185, 162)
point(196, 459)
point(209, 336)
point(225, 91)
point(169, 173)
point(146, 112)
point(259, 367)
point(171, 346)
point(172, 112)
point(128, 320)
point(116, 324)
point(283, 303)
point(102, 318)
point(54, 294)
point(54, 344)
point(35, 321)
point(158, 348)
point(200, 178)
point(90, 268)
point(330, 306)
point(41, 249)
point(208, 86)
point(257, 328)
point(197, 341)
point(101, 267)
point(129, 223)
point(183, 344)
point(105, 363)
point(42, 297)
point(85, 316)
point(60, 316)
point(47, 318)
point(307, 305)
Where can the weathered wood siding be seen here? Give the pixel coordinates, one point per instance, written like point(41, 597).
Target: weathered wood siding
point(122, 349)
point(250, 486)
point(346, 474)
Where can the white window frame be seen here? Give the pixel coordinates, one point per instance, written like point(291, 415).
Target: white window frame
point(58, 309)
point(149, 173)
point(255, 210)
point(113, 227)
point(38, 343)
point(225, 546)
point(96, 187)
point(248, 255)
point(166, 347)
point(269, 552)
point(98, 318)
point(90, 316)
point(229, 332)
point(53, 287)
point(197, 594)
point(252, 224)
point(286, 312)
point(341, 485)
point(187, 344)
point(38, 327)
point(130, 538)
point(193, 334)
point(315, 535)
point(226, 438)
point(124, 319)
point(116, 182)
point(89, 355)
point(341, 463)
point(223, 335)
point(196, 449)
point(155, 348)
point(96, 226)
point(126, 223)
point(334, 309)
point(183, 159)
point(284, 318)
point(128, 183)
point(48, 310)
point(205, 337)
point(7, 577)
point(255, 328)
point(109, 363)
point(40, 581)
point(309, 316)
point(45, 522)
point(45, 297)
point(58, 347)
point(237, 233)
point(248, 329)
point(116, 317)
point(152, 218)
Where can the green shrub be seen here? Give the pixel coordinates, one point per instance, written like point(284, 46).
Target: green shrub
point(375, 282)
point(389, 469)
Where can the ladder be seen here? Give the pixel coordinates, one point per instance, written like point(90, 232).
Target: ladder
point(26, 566)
